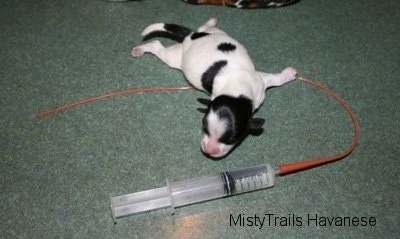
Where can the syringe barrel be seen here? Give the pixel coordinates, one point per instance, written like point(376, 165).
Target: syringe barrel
point(220, 185)
point(196, 190)
point(248, 179)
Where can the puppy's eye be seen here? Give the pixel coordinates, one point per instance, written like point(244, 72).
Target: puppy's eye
point(205, 130)
point(205, 126)
point(228, 139)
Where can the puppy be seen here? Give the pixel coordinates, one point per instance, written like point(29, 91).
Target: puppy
point(215, 63)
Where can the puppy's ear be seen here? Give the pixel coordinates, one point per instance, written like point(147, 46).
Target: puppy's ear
point(256, 123)
point(203, 101)
point(256, 126)
point(202, 110)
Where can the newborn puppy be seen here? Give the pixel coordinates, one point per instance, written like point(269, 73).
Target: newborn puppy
point(215, 63)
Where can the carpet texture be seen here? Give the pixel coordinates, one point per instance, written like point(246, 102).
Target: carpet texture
point(57, 174)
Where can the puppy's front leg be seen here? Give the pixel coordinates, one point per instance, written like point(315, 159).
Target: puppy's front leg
point(279, 79)
point(172, 56)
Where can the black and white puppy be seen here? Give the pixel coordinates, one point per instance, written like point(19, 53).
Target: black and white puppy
point(214, 62)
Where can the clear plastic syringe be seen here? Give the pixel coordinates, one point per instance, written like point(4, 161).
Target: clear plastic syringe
point(196, 190)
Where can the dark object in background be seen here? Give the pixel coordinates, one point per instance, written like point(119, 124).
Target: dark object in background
point(245, 3)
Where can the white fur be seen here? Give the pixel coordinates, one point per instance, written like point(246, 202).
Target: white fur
point(152, 28)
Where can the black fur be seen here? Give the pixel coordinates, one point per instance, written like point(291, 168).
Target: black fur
point(205, 124)
point(207, 79)
point(177, 30)
point(197, 35)
point(265, 3)
point(237, 112)
point(226, 47)
point(204, 102)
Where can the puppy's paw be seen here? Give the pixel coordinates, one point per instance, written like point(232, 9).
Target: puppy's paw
point(289, 73)
point(137, 51)
point(212, 22)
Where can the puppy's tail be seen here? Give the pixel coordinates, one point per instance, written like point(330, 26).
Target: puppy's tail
point(173, 31)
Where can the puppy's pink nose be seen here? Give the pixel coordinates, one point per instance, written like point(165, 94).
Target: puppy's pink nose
point(211, 148)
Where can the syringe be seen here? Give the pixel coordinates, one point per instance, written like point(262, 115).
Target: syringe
point(178, 194)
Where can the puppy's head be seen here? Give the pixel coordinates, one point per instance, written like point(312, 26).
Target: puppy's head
point(228, 120)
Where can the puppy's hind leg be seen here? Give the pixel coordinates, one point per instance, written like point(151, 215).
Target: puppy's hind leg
point(211, 23)
point(278, 79)
point(172, 56)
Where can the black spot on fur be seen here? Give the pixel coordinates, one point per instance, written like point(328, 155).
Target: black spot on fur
point(207, 79)
point(226, 47)
point(197, 35)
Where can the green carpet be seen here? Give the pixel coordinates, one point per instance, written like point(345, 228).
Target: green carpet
point(58, 173)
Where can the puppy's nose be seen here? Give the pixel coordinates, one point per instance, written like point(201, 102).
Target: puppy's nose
point(212, 151)
point(211, 148)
